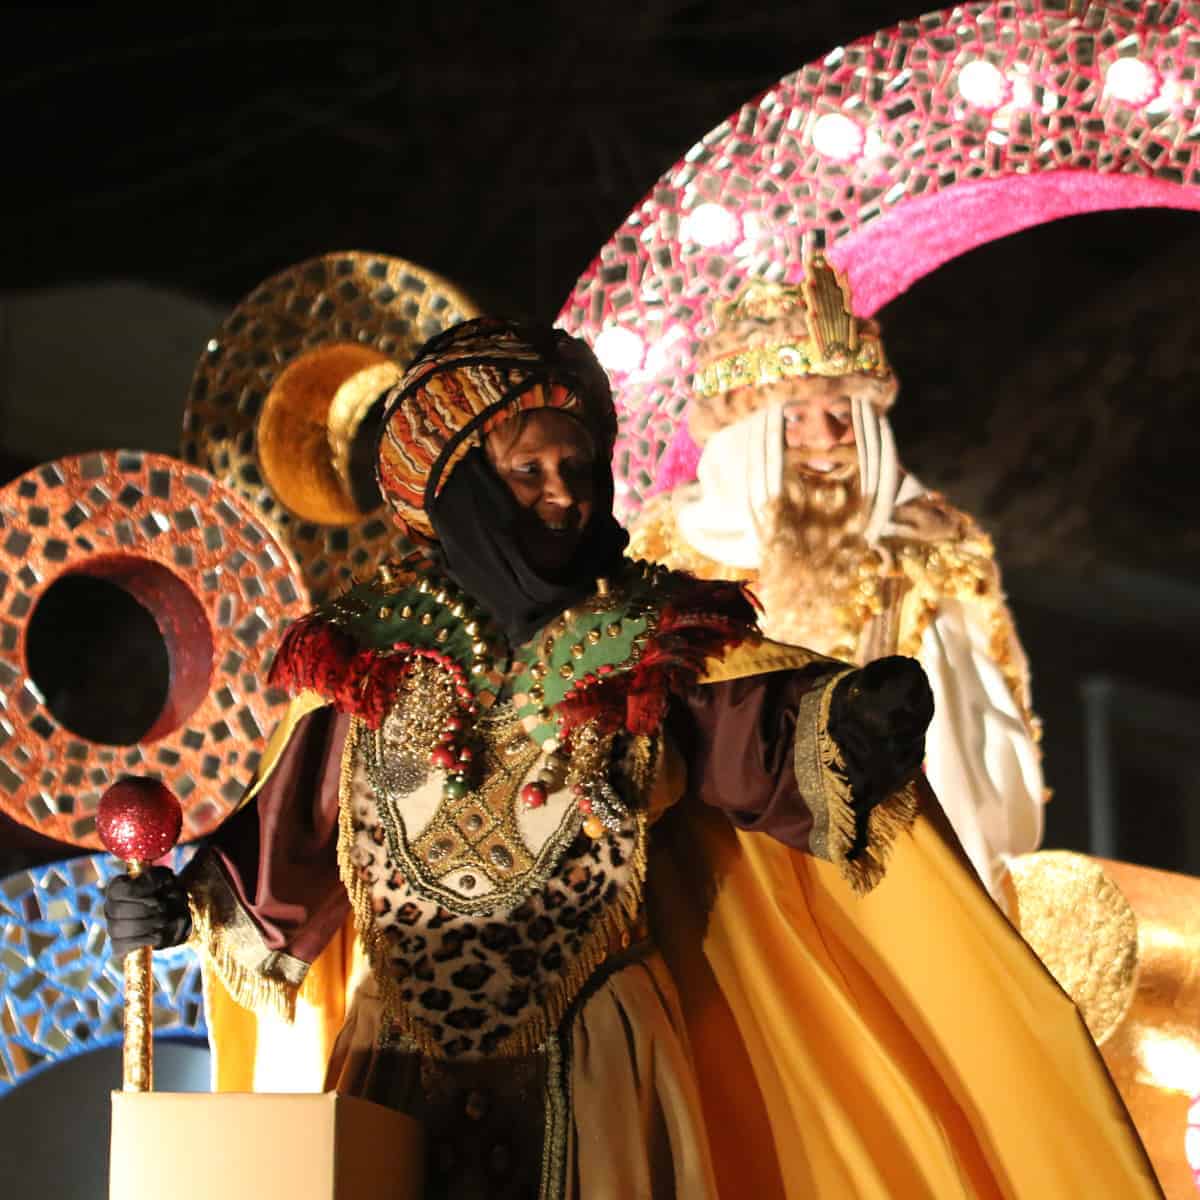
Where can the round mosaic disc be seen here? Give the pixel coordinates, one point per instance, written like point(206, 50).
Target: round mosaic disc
point(219, 586)
point(283, 389)
point(897, 152)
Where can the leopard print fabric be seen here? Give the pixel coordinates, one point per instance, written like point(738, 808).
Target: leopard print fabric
point(496, 982)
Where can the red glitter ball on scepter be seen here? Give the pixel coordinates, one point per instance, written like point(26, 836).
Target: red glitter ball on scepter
point(139, 819)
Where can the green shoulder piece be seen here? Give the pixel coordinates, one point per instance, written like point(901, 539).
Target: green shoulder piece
point(593, 641)
point(410, 607)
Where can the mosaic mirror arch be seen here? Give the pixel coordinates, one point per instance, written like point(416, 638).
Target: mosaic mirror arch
point(60, 990)
point(896, 153)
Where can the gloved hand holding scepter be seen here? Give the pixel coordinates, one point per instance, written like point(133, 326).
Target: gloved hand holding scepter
point(139, 821)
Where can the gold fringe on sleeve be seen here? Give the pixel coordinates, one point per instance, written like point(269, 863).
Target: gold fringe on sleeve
point(259, 979)
point(820, 772)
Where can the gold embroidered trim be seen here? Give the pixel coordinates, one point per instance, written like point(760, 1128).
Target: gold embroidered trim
point(758, 656)
point(792, 358)
point(820, 772)
point(257, 978)
point(822, 786)
point(556, 1104)
point(612, 928)
point(508, 757)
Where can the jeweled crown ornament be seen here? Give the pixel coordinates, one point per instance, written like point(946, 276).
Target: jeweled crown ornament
point(824, 338)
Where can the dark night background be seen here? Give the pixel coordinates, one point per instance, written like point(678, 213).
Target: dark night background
point(1050, 381)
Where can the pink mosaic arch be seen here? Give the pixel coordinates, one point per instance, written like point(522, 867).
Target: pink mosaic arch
point(897, 152)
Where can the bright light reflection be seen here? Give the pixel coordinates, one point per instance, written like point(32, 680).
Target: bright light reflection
point(619, 349)
point(983, 85)
point(711, 225)
point(1170, 1060)
point(836, 136)
point(1019, 98)
point(1131, 81)
point(1022, 91)
point(660, 355)
point(1191, 1140)
point(1171, 95)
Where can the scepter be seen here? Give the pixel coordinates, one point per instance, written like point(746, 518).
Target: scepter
point(139, 820)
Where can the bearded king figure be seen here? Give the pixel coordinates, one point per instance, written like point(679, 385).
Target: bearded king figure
point(800, 493)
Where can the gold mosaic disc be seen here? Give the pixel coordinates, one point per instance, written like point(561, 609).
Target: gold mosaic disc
point(285, 396)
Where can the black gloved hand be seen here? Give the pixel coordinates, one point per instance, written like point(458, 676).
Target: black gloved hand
point(878, 718)
point(149, 909)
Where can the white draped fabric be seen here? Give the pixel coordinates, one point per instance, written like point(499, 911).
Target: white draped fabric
point(724, 513)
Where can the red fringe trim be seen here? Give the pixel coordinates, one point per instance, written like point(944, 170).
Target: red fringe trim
point(702, 619)
point(317, 656)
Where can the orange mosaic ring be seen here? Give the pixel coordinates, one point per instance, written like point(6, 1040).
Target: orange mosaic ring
point(219, 586)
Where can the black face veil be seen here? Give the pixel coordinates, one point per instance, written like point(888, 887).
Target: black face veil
point(491, 370)
point(477, 521)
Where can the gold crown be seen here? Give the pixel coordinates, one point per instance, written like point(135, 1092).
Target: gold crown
point(836, 344)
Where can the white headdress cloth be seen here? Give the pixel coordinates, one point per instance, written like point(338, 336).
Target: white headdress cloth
point(724, 513)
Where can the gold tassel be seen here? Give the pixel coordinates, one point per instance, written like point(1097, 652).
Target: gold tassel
point(887, 820)
point(247, 987)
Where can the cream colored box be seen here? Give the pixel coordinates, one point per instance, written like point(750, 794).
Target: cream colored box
point(233, 1145)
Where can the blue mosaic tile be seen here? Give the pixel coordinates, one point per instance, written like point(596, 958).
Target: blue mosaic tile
point(60, 990)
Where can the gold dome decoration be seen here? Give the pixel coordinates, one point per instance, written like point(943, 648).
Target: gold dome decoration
point(308, 423)
point(1138, 992)
point(284, 399)
point(1080, 925)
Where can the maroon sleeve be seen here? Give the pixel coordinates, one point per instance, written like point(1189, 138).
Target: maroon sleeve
point(738, 741)
point(278, 855)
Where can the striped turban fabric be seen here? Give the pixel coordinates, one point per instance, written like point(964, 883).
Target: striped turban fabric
point(464, 383)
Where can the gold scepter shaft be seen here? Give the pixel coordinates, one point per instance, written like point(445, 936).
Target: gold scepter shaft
point(137, 1060)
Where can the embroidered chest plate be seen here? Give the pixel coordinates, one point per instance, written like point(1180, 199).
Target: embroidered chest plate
point(494, 851)
point(484, 850)
point(482, 920)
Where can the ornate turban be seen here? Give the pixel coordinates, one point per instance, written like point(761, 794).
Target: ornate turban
point(464, 383)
